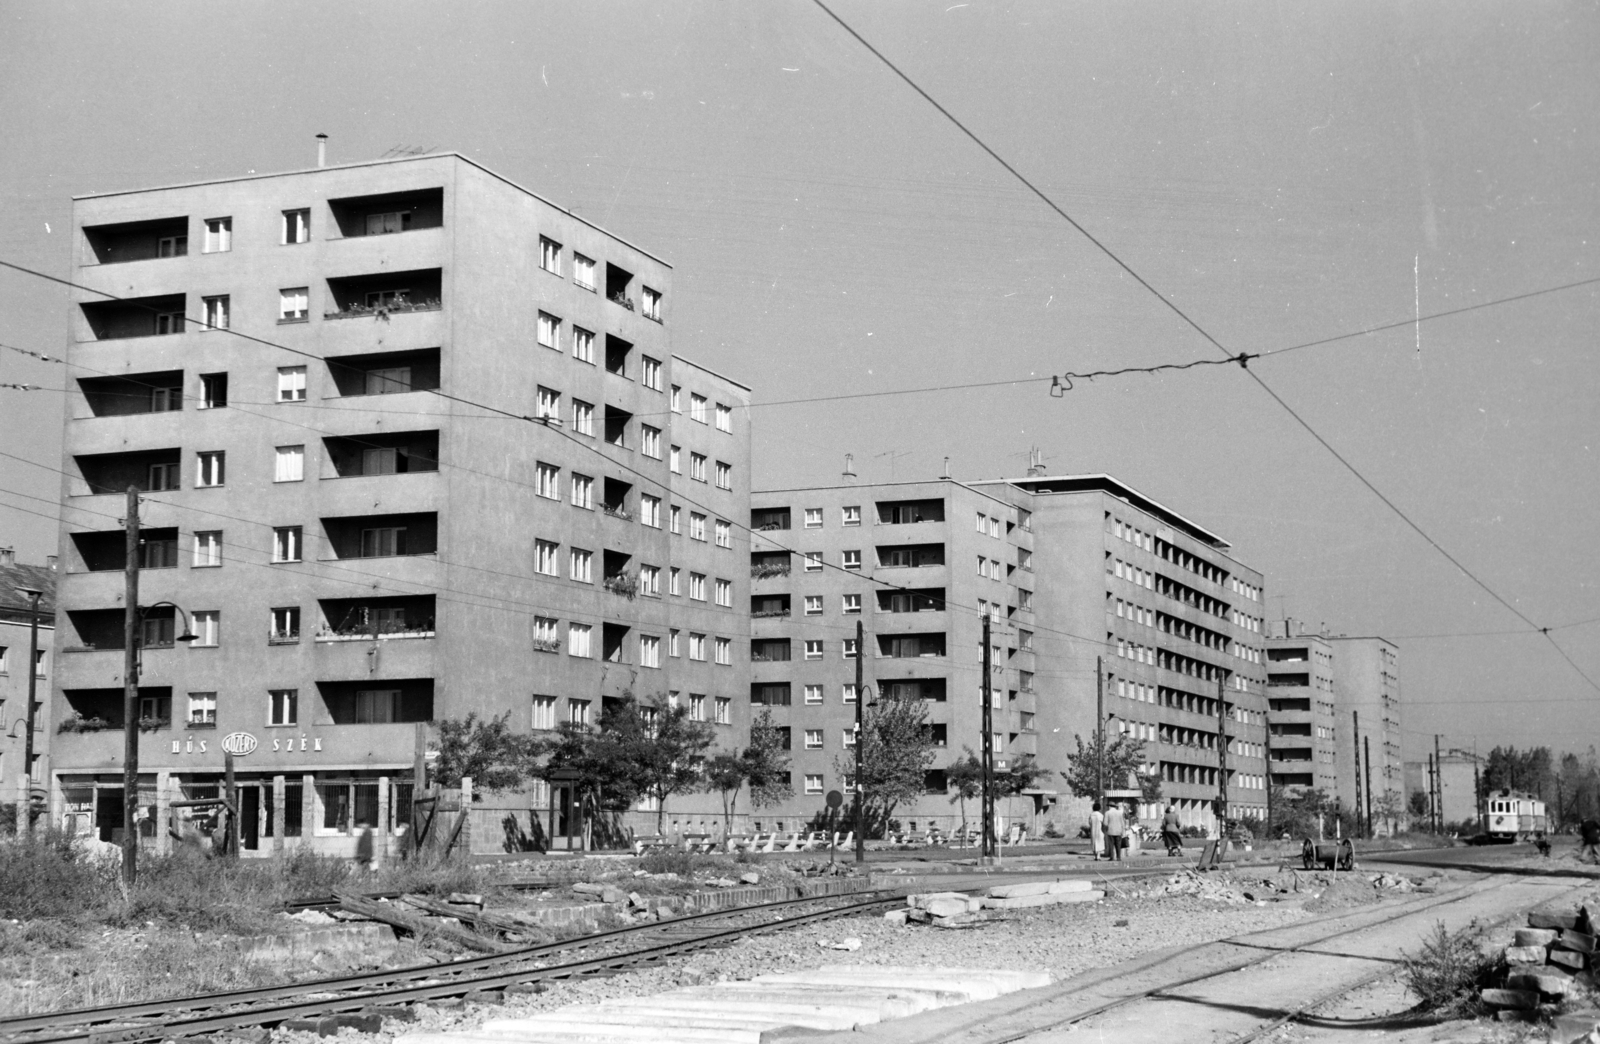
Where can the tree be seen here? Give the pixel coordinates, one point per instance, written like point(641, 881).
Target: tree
point(896, 750)
point(1023, 774)
point(766, 763)
point(965, 778)
point(1124, 757)
point(1418, 803)
point(726, 773)
point(488, 752)
point(670, 751)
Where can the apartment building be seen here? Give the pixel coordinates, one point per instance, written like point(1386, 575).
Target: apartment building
point(1302, 709)
point(1366, 681)
point(411, 443)
point(1072, 571)
point(16, 638)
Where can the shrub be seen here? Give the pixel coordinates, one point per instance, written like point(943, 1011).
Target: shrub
point(1447, 972)
point(48, 875)
point(667, 862)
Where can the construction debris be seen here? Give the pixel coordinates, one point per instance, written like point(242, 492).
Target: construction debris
point(1550, 967)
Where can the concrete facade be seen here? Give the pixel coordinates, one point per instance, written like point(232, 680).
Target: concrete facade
point(1302, 710)
point(377, 548)
point(1366, 680)
point(1458, 787)
point(1070, 568)
point(16, 620)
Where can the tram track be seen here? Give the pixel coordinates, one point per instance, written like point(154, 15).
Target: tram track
point(157, 1020)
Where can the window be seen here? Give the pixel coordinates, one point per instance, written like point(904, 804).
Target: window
point(650, 511)
point(172, 246)
point(724, 711)
point(652, 304)
point(545, 638)
point(849, 693)
point(544, 712)
point(582, 417)
point(202, 708)
point(672, 460)
point(813, 740)
point(163, 476)
point(851, 516)
point(549, 255)
point(285, 626)
point(294, 304)
point(578, 712)
point(582, 491)
point(849, 651)
point(994, 527)
point(813, 694)
point(676, 399)
point(582, 566)
point(813, 782)
point(650, 581)
point(724, 475)
point(388, 222)
point(583, 271)
point(219, 235)
point(383, 542)
point(291, 383)
point(697, 646)
point(1024, 599)
point(725, 593)
point(290, 465)
point(852, 559)
point(210, 468)
point(673, 576)
point(848, 738)
point(548, 403)
point(697, 707)
point(578, 639)
point(813, 518)
point(813, 648)
point(697, 526)
point(724, 533)
point(672, 650)
point(697, 466)
point(650, 441)
point(724, 418)
point(650, 372)
point(852, 604)
point(285, 543)
point(283, 706)
point(697, 407)
point(697, 586)
point(813, 605)
point(208, 548)
point(545, 559)
point(725, 652)
point(983, 566)
point(582, 345)
point(674, 520)
point(649, 651)
point(813, 561)
point(207, 623)
point(213, 391)
point(549, 331)
point(983, 522)
point(216, 312)
point(547, 481)
point(296, 226)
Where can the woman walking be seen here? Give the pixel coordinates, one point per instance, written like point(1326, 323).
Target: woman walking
point(1097, 831)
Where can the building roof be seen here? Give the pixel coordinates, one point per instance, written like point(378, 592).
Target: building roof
point(1103, 483)
point(40, 578)
point(375, 163)
point(707, 369)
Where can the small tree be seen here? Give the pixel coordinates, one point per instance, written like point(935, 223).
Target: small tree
point(965, 779)
point(726, 773)
point(670, 754)
point(766, 763)
point(1123, 756)
point(896, 752)
point(488, 752)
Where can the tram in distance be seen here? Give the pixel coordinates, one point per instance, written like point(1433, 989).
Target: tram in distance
point(1509, 816)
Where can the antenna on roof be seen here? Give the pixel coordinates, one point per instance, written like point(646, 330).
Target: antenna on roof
point(849, 467)
point(409, 150)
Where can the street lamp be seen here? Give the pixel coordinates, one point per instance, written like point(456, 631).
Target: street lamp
point(130, 729)
point(33, 688)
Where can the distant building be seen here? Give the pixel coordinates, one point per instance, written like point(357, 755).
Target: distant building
point(1302, 710)
point(16, 622)
point(355, 553)
point(1458, 782)
point(1366, 683)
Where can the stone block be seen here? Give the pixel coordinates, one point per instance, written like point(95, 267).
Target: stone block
point(614, 896)
point(1568, 959)
point(1536, 936)
point(465, 899)
point(486, 997)
point(954, 907)
point(1516, 1015)
point(526, 988)
point(397, 1012)
point(754, 878)
point(921, 901)
point(324, 1026)
point(1020, 890)
point(361, 1022)
point(1576, 941)
point(1049, 899)
point(1071, 884)
point(896, 917)
point(1525, 954)
point(1552, 920)
point(964, 920)
point(585, 888)
point(1550, 982)
point(446, 1003)
point(1523, 999)
point(1566, 1029)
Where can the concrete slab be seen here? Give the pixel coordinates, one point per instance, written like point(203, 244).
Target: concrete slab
point(551, 1026)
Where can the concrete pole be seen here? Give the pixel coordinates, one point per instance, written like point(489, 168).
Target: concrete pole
point(861, 742)
point(1100, 733)
point(130, 694)
point(988, 750)
point(33, 709)
point(1366, 745)
point(1355, 733)
point(1222, 759)
point(1438, 784)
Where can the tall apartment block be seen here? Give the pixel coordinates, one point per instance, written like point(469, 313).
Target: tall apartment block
point(17, 620)
point(1068, 569)
point(1302, 710)
point(411, 443)
point(1366, 681)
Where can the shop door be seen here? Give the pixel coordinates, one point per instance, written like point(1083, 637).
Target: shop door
point(250, 818)
point(108, 814)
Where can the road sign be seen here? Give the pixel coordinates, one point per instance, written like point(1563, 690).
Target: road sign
point(834, 799)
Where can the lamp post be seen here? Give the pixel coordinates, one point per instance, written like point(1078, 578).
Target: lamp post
point(33, 689)
point(130, 727)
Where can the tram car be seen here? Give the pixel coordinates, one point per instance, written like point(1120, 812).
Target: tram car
point(1510, 816)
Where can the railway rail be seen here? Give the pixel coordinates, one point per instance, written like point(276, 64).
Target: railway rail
point(623, 948)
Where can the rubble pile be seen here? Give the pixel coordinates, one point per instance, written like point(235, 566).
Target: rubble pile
point(959, 910)
point(1550, 965)
point(1204, 886)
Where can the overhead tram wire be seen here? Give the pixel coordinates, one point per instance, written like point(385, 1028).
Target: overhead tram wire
point(1241, 358)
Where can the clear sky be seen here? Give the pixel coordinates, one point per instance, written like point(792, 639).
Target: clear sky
point(1282, 172)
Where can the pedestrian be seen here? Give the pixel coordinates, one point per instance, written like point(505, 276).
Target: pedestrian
point(1097, 831)
point(1116, 826)
point(1172, 831)
point(1590, 829)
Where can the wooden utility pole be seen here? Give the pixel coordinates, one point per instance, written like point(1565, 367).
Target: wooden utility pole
point(861, 743)
point(33, 706)
point(1438, 784)
point(1433, 800)
point(1100, 733)
point(130, 693)
point(1266, 750)
point(988, 750)
point(1366, 749)
point(1222, 760)
point(230, 794)
point(1355, 733)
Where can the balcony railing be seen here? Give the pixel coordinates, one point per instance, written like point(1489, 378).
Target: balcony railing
point(356, 311)
point(767, 613)
point(622, 584)
point(375, 632)
point(547, 645)
point(762, 572)
point(616, 511)
point(624, 300)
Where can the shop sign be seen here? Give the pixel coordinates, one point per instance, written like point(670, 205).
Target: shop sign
point(241, 743)
point(238, 743)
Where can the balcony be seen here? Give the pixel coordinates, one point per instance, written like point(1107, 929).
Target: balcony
point(910, 556)
point(619, 282)
point(382, 536)
point(374, 702)
point(389, 453)
point(385, 373)
point(106, 552)
point(376, 619)
point(769, 519)
point(618, 353)
point(765, 565)
point(388, 213)
point(770, 650)
point(911, 646)
point(909, 512)
point(922, 600)
point(769, 606)
point(145, 470)
point(137, 240)
point(385, 294)
point(158, 392)
point(135, 317)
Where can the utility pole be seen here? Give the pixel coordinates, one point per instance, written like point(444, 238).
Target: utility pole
point(988, 751)
point(1366, 744)
point(1438, 783)
point(1355, 733)
point(1266, 750)
point(33, 704)
point(1222, 761)
point(1433, 801)
point(1099, 733)
point(130, 694)
point(861, 742)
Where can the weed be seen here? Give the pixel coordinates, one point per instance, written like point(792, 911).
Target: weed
point(667, 862)
point(48, 875)
point(1448, 970)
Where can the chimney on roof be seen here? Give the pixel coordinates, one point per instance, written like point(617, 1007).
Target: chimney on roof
point(8, 556)
point(946, 468)
point(849, 467)
point(1035, 462)
point(322, 150)
point(50, 562)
